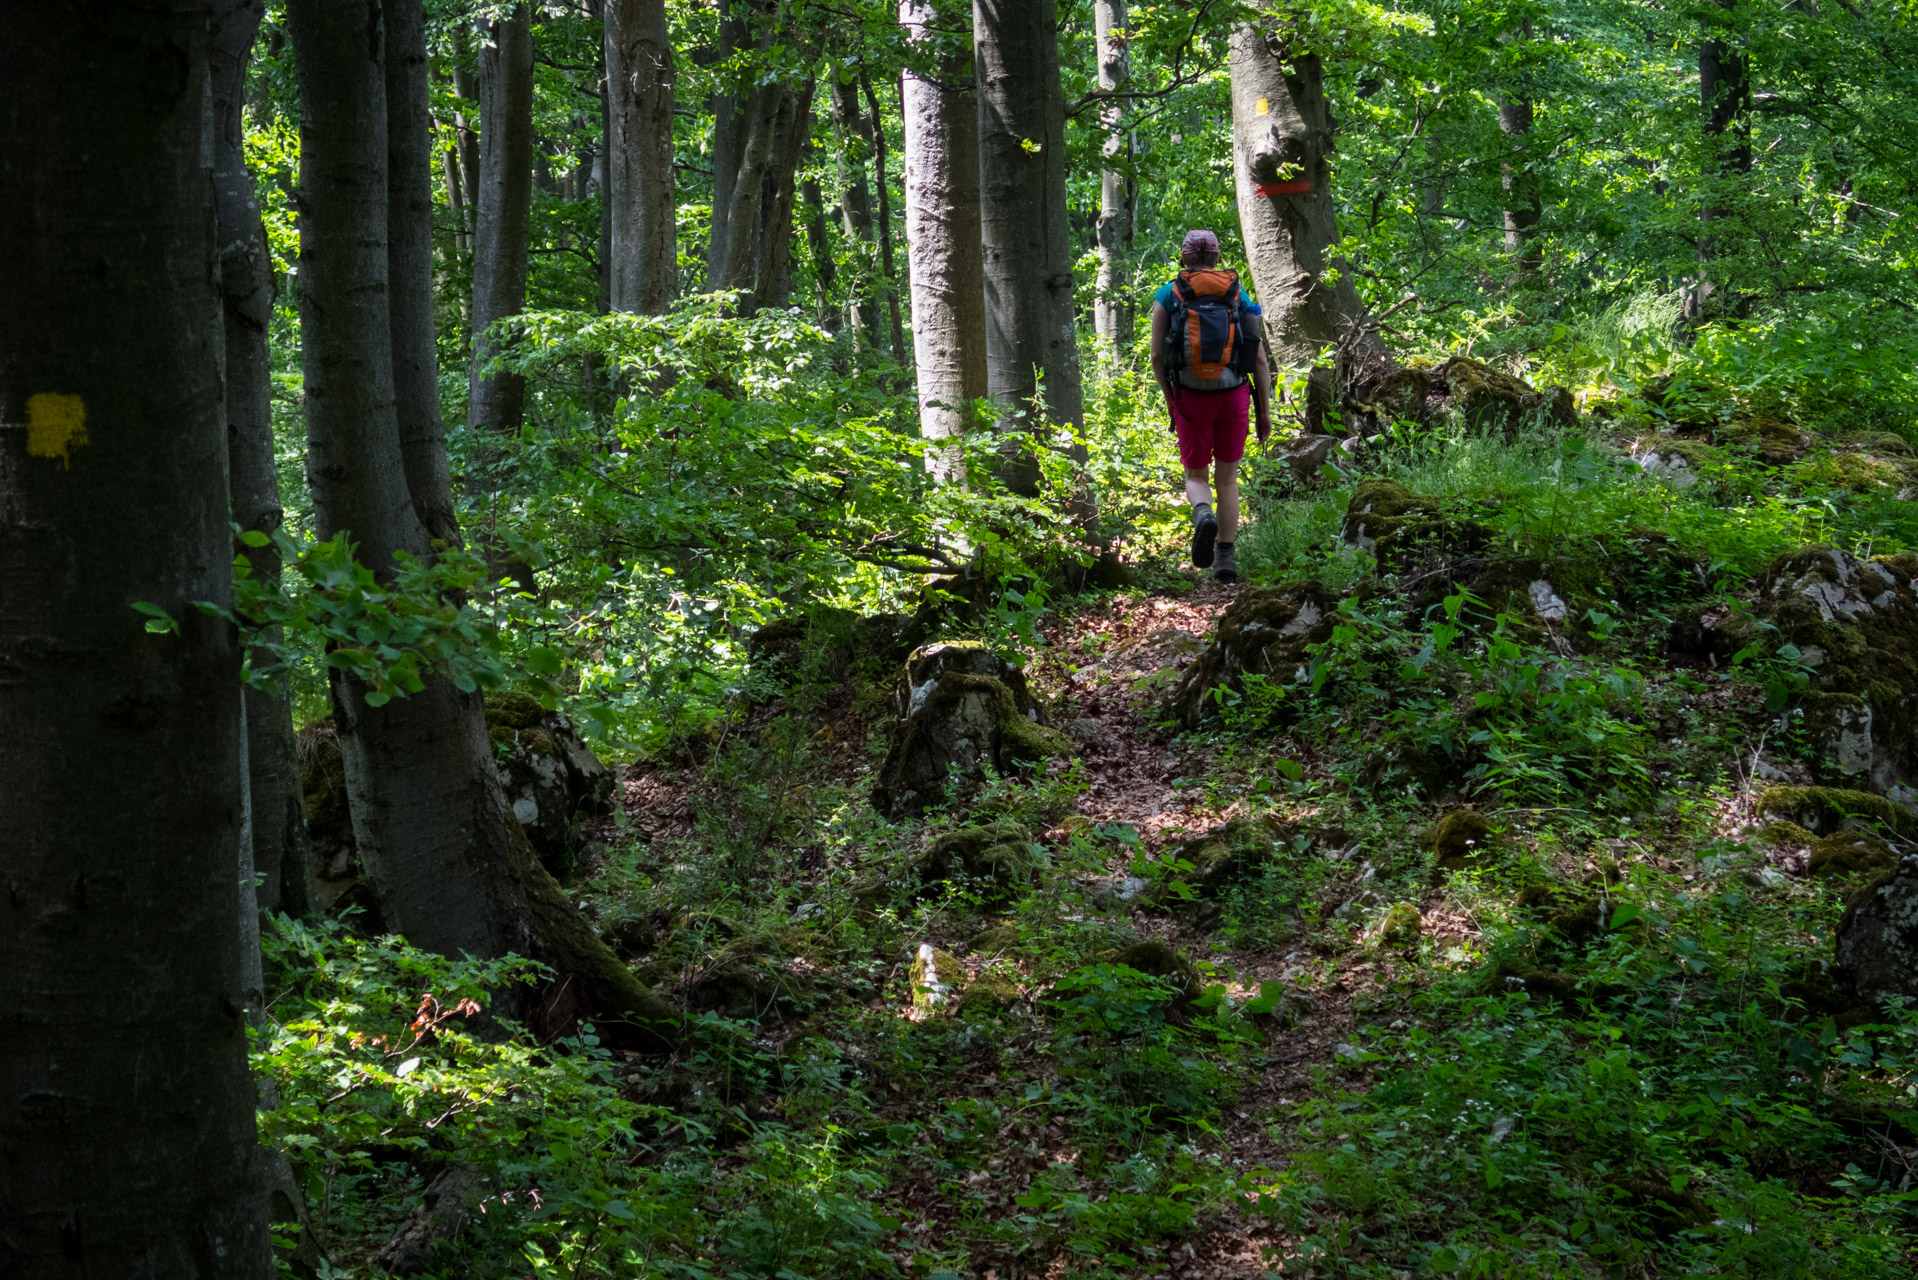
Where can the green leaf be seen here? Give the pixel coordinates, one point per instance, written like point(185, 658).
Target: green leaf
point(1624, 913)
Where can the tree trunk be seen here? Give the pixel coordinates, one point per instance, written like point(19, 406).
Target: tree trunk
point(819, 243)
point(729, 135)
point(456, 198)
point(644, 269)
point(253, 482)
point(855, 204)
point(466, 136)
point(1112, 309)
point(887, 265)
point(409, 256)
point(946, 270)
point(505, 198)
point(450, 868)
point(738, 269)
point(1281, 135)
point(1030, 327)
point(1724, 90)
point(127, 1120)
point(791, 136)
point(1522, 206)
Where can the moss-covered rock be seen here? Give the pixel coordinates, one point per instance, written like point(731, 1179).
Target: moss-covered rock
point(1877, 946)
point(1773, 439)
point(1400, 527)
point(1826, 810)
point(1884, 443)
point(1785, 834)
point(1458, 840)
point(1859, 473)
point(960, 709)
point(1854, 624)
point(938, 980)
point(1400, 926)
point(1221, 857)
point(1848, 854)
point(752, 977)
point(552, 779)
point(1549, 984)
point(996, 940)
point(1157, 960)
point(1265, 632)
point(1679, 462)
point(1487, 399)
point(988, 996)
point(992, 858)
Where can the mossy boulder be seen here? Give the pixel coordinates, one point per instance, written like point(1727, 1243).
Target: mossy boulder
point(553, 780)
point(1400, 926)
point(1265, 632)
point(1828, 810)
point(1773, 439)
point(752, 976)
point(987, 996)
point(1157, 960)
point(1400, 527)
point(1786, 834)
point(1680, 463)
point(1877, 947)
point(1857, 473)
point(1490, 400)
point(1885, 443)
point(938, 980)
point(960, 709)
point(992, 858)
point(1854, 624)
point(1849, 854)
point(1221, 857)
point(1458, 840)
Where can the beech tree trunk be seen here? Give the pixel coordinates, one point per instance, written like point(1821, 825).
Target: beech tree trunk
point(450, 868)
point(888, 267)
point(765, 125)
point(792, 133)
point(644, 269)
point(855, 204)
point(1282, 136)
point(505, 222)
point(1030, 329)
point(947, 270)
point(1522, 206)
point(247, 289)
point(1112, 309)
point(409, 256)
point(819, 243)
point(1724, 90)
point(127, 1136)
point(465, 135)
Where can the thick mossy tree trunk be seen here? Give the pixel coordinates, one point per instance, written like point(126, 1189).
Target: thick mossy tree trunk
point(644, 265)
point(1281, 141)
point(947, 264)
point(127, 1136)
point(1030, 329)
point(501, 236)
point(1112, 310)
point(855, 203)
point(450, 867)
point(409, 256)
point(253, 484)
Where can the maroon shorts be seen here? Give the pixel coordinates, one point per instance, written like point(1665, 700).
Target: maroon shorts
point(1210, 424)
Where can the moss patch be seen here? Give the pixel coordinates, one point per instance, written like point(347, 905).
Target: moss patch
point(1825, 810)
point(1266, 632)
point(1458, 840)
point(1850, 853)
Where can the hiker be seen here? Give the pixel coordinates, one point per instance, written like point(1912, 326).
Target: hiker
point(1208, 355)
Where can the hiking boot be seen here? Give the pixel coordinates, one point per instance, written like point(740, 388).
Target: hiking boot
point(1205, 533)
point(1225, 568)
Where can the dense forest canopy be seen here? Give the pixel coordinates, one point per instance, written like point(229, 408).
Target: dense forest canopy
point(623, 564)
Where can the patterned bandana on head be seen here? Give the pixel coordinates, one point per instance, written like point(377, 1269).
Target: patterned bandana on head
point(1199, 247)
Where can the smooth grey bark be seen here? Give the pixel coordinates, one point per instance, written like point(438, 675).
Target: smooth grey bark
point(279, 849)
point(502, 231)
point(456, 198)
point(729, 133)
point(1030, 330)
point(819, 243)
point(1281, 138)
point(946, 261)
point(644, 267)
point(1522, 206)
point(759, 122)
point(855, 204)
point(465, 135)
point(127, 1135)
point(888, 267)
point(409, 256)
point(1112, 309)
point(450, 868)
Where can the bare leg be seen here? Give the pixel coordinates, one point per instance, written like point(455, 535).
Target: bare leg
point(1228, 477)
point(1197, 488)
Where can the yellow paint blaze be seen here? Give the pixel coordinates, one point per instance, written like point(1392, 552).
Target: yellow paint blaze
point(56, 424)
point(1263, 108)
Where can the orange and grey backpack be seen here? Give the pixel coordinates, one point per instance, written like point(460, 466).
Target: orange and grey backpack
point(1205, 330)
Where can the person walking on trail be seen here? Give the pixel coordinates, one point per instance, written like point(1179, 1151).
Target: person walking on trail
point(1208, 356)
